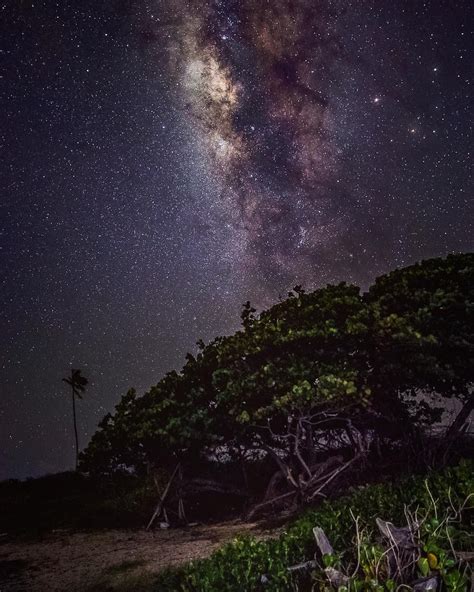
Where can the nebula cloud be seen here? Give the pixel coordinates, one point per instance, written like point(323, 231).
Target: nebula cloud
point(254, 77)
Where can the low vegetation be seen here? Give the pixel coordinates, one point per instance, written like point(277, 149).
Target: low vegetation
point(441, 504)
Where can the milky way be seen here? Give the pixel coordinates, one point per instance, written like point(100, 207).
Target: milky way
point(255, 77)
point(164, 161)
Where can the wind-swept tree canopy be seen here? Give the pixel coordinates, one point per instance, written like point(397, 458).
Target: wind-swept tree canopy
point(314, 383)
point(424, 328)
point(424, 322)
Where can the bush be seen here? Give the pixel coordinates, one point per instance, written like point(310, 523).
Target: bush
point(70, 500)
point(238, 566)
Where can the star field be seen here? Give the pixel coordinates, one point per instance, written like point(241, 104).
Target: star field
point(164, 161)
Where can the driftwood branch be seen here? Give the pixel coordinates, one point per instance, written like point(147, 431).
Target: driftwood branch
point(322, 541)
point(208, 485)
point(330, 478)
point(285, 469)
point(270, 502)
point(297, 450)
point(395, 536)
point(402, 537)
point(319, 469)
point(271, 490)
point(303, 567)
point(159, 506)
point(336, 578)
point(461, 418)
point(429, 584)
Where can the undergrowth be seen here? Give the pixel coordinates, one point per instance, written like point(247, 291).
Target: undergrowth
point(240, 565)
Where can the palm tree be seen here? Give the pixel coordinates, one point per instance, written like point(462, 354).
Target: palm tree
point(78, 385)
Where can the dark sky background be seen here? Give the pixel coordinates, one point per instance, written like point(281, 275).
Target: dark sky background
point(163, 161)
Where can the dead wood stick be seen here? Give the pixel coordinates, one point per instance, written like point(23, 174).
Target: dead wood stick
point(270, 491)
point(181, 514)
point(319, 472)
point(162, 499)
point(322, 541)
point(332, 476)
point(285, 469)
point(203, 485)
point(306, 566)
point(297, 450)
point(258, 507)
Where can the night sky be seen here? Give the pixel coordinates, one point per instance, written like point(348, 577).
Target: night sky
point(163, 161)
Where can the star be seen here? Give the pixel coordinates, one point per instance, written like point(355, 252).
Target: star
point(166, 161)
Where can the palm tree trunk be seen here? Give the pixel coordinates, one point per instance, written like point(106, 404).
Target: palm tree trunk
point(75, 425)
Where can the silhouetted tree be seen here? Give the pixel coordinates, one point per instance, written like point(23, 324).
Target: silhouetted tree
point(321, 384)
point(78, 383)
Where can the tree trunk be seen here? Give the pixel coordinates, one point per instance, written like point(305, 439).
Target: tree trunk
point(159, 507)
point(75, 425)
point(460, 418)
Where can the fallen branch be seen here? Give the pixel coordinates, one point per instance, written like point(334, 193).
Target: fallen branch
point(272, 501)
point(331, 477)
point(271, 489)
point(208, 485)
point(320, 468)
point(306, 566)
point(159, 506)
point(322, 541)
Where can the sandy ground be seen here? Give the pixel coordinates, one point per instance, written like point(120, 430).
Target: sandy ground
point(69, 561)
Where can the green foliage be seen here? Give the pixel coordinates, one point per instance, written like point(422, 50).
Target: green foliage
point(296, 355)
point(424, 326)
point(238, 567)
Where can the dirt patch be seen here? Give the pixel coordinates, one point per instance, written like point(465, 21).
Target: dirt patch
point(76, 561)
